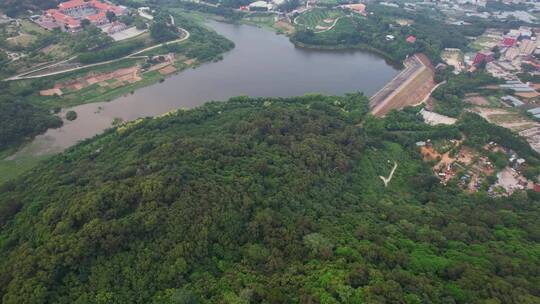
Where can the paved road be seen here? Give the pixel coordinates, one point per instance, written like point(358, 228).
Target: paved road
point(132, 55)
point(412, 66)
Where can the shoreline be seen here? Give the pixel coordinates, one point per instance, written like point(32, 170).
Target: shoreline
point(357, 47)
point(153, 80)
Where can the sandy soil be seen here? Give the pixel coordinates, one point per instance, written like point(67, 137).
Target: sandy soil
point(528, 94)
point(167, 70)
point(285, 26)
point(454, 59)
point(477, 100)
point(433, 118)
point(112, 79)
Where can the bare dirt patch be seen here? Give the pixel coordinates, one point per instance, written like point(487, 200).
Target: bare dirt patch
point(285, 27)
point(528, 94)
point(51, 92)
point(477, 100)
point(454, 58)
point(112, 80)
point(167, 70)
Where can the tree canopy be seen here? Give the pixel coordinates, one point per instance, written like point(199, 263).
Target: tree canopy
point(262, 201)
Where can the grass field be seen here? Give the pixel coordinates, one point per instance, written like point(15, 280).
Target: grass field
point(12, 168)
point(23, 40)
point(316, 18)
point(31, 28)
point(343, 25)
point(28, 33)
point(264, 19)
point(484, 41)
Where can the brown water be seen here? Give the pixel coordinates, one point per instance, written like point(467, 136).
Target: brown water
point(261, 64)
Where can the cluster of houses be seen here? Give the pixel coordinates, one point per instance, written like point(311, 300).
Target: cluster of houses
point(68, 16)
point(472, 169)
point(514, 49)
point(510, 178)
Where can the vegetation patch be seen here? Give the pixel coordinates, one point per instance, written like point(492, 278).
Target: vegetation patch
point(281, 197)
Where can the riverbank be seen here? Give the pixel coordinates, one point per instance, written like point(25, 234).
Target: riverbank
point(358, 47)
point(247, 70)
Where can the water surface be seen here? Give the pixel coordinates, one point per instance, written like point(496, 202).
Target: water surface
point(261, 64)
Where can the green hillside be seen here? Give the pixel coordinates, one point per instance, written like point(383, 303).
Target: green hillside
point(263, 201)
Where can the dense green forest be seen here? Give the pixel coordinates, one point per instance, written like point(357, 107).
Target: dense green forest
point(16, 7)
point(449, 96)
point(19, 119)
point(265, 201)
point(23, 114)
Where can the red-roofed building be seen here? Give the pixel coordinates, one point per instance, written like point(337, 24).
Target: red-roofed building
point(72, 5)
point(411, 39)
point(99, 18)
point(69, 14)
point(509, 41)
point(482, 57)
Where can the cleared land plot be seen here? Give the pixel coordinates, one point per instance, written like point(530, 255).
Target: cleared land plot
point(514, 121)
point(433, 118)
point(23, 40)
point(487, 40)
point(28, 32)
point(126, 34)
point(404, 22)
point(453, 58)
point(284, 27)
point(477, 100)
point(504, 118)
point(31, 28)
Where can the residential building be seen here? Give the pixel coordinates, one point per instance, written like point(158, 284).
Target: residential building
point(483, 56)
point(512, 100)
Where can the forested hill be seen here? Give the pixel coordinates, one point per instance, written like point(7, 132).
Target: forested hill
point(262, 201)
point(15, 7)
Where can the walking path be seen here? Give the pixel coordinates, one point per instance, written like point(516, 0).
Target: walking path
point(132, 55)
point(386, 180)
point(332, 26)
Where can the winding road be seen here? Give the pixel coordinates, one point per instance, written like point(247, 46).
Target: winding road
point(132, 55)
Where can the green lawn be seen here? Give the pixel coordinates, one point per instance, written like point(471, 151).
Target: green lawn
point(315, 17)
point(260, 19)
point(344, 25)
point(11, 169)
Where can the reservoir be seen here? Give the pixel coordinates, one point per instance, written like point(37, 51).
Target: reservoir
point(261, 64)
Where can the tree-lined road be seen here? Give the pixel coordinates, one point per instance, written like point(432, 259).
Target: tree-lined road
point(132, 55)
